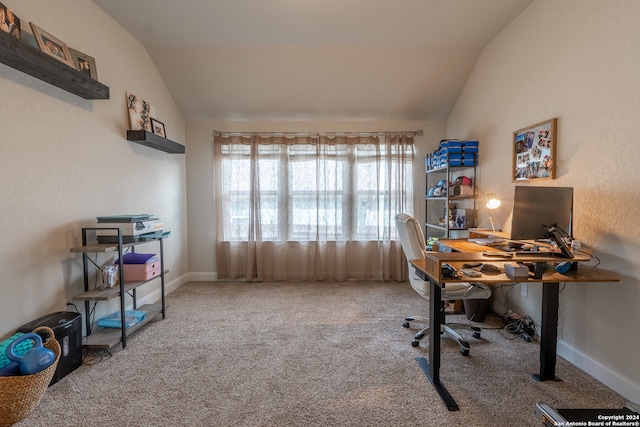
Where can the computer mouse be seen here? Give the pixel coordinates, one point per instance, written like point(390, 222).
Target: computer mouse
point(490, 269)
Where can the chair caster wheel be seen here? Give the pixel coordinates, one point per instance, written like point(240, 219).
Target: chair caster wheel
point(476, 331)
point(415, 343)
point(405, 324)
point(464, 351)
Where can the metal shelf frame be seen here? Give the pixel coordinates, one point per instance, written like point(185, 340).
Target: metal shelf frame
point(108, 337)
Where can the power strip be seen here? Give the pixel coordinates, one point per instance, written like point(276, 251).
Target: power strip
point(524, 327)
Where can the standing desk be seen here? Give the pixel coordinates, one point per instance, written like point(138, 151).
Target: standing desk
point(430, 269)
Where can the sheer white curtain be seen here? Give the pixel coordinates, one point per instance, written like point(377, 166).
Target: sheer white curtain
point(311, 207)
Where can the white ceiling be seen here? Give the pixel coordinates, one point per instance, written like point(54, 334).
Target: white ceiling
point(314, 59)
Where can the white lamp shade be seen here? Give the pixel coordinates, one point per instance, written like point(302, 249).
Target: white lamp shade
point(492, 201)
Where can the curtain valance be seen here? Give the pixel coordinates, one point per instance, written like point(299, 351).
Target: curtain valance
point(330, 138)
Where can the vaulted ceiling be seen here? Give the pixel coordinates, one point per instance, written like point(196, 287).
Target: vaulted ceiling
point(313, 59)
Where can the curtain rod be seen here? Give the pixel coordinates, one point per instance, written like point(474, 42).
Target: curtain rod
point(413, 132)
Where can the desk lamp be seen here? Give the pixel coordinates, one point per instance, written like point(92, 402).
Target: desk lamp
point(492, 203)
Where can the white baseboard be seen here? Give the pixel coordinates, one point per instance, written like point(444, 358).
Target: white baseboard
point(602, 373)
point(155, 296)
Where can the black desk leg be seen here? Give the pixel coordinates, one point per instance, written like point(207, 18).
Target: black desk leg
point(549, 332)
point(432, 367)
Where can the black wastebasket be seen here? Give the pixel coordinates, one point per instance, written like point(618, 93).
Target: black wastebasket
point(475, 309)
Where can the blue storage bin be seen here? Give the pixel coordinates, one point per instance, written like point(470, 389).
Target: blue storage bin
point(450, 146)
point(444, 143)
point(462, 160)
point(461, 163)
point(470, 146)
point(436, 160)
point(452, 152)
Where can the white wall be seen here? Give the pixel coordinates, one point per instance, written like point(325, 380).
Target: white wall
point(200, 172)
point(579, 61)
point(66, 160)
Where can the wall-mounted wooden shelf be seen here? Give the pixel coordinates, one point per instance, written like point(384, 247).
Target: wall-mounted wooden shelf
point(152, 140)
point(30, 60)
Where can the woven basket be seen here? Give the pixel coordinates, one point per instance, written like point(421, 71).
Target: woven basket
point(20, 394)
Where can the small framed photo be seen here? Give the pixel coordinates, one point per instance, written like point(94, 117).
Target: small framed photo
point(140, 112)
point(84, 63)
point(9, 23)
point(158, 128)
point(51, 45)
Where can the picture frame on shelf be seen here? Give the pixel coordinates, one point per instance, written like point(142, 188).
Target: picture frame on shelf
point(534, 151)
point(158, 128)
point(51, 45)
point(84, 63)
point(9, 22)
point(140, 112)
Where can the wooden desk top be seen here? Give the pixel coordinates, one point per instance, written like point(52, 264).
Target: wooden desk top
point(469, 252)
point(584, 273)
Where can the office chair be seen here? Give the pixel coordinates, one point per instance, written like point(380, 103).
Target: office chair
point(414, 247)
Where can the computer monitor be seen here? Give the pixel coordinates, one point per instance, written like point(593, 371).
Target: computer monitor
point(537, 209)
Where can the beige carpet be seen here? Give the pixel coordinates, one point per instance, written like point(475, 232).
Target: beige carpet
point(306, 354)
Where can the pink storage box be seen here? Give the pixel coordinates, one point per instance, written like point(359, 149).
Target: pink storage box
point(146, 271)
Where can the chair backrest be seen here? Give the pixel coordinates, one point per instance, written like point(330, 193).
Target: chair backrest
point(411, 236)
point(413, 244)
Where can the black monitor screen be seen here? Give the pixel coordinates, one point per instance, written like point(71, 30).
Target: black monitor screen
point(536, 209)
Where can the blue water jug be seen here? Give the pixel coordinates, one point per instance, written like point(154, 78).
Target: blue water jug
point(36, 359)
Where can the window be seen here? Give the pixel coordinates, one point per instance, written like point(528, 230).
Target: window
point(311, 189)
